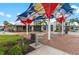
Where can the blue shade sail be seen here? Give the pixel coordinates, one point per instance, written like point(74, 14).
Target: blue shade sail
point(67, 8)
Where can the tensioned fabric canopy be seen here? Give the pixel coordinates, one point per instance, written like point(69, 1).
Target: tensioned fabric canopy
point(36, 11)
point(48, 9)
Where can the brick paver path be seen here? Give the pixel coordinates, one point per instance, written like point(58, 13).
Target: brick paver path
point(67, 43)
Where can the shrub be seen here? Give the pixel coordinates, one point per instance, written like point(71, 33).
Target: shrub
point(2, 50)
point(58, 30)
point(16, 50)
point(25, 48)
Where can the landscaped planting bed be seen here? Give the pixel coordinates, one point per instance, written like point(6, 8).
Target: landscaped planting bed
point(14, 45)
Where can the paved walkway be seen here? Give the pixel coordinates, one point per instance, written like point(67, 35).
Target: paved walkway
point(47, 50)
point(67, 43)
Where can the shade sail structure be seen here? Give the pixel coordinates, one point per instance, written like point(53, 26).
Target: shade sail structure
point(49, 8)
point(40, 17)
point(36, 11)
point(65, 11)
point(30, 10)
point(39, 11)
point(33, 11)
point(26, 21)
point(39, 8)
point(61, 19)
point(67, 8)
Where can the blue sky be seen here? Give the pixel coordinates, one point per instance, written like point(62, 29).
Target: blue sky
point(9, 11)
point(76, 12)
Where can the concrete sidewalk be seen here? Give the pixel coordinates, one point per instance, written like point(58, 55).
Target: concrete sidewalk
point(47, 50)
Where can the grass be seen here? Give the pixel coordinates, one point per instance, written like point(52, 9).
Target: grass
point(2, 50)
point(12, 45)
point(4, 39)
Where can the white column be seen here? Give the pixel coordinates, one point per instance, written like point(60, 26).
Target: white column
point(49, 30)
point(54, 26)
point(27, 29)
point(42, 28)
point(32, 28)
point(62, 27)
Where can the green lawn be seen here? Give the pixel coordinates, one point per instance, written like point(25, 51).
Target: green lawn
point(4, 39)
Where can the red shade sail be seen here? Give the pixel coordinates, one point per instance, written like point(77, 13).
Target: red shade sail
point(61, 19)
point(49, 8)
point(26, 21)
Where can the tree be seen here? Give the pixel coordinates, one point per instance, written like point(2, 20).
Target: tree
point(74, 20)
point(6, 23)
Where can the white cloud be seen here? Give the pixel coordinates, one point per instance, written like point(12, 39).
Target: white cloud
point(8, 15)
point(2, 14)
point(18, 13)
point(12, 23)
point(74, 6)
point(5, 15)
point(77, 11)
